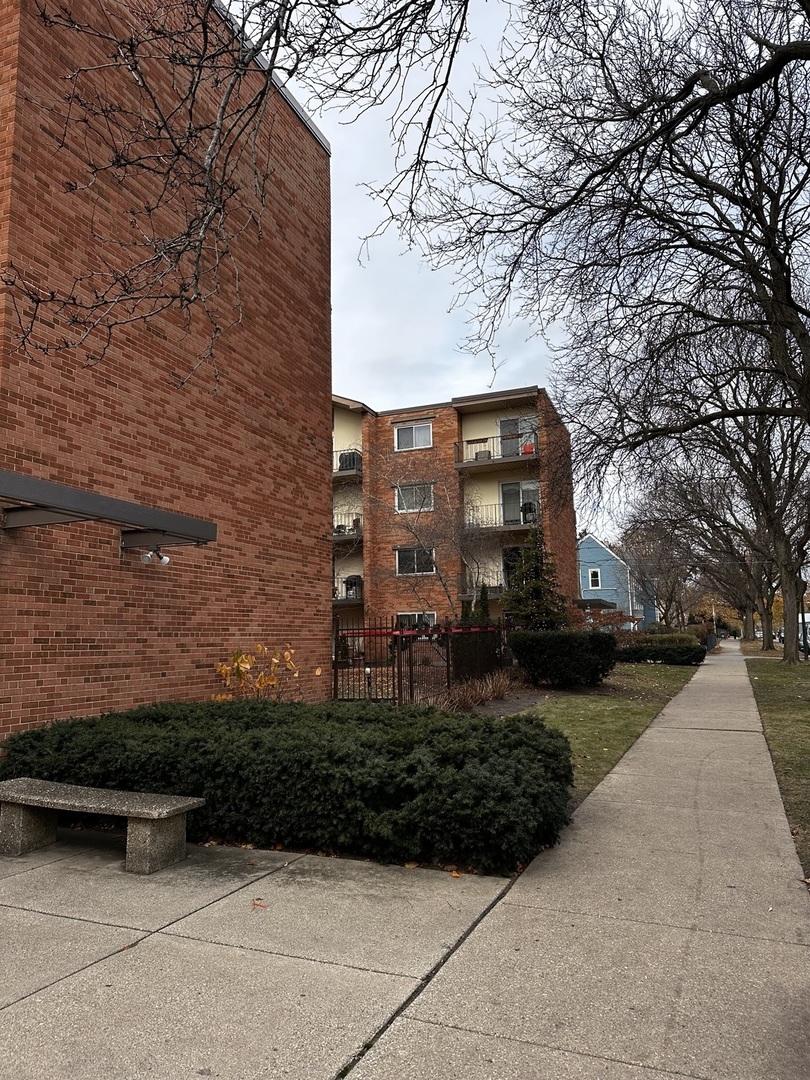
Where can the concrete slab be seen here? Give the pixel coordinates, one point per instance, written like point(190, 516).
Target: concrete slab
point(386, 918)
point(37, 950)
point(707, 755)
point(764, 898)
point(601, 820)
point(414, 1050)
point(66, 848)
point(93, 885)
point(710, 793)
point(675, 1000)
point(172, 1008)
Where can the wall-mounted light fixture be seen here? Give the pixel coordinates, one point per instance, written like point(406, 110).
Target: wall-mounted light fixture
point(156, 553)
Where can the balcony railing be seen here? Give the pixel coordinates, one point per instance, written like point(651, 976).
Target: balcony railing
point(497, 516)
point(348, 589)
point(482, 451)
point(469, 585)
point(348, 526)
point(347, 463)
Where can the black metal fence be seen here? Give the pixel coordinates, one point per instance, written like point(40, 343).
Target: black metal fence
point(383, 661)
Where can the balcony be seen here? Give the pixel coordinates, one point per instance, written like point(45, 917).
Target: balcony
point(347, 590)
point(347, 465)
point(499, 516)
point(481, 455)
point(469, 585)
point(347, 528)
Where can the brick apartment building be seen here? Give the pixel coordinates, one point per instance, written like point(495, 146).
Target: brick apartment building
point(433, 501)
point(127, 455)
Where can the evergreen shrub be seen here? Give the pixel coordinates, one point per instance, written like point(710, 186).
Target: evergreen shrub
point(683, 655)
point(364, 779)
point(564, 658)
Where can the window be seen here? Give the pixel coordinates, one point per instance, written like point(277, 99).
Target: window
point(519, 502)
point(594, 579)
point(414, 497)
point(413, 437)
point(518, 436)
point(415, 560)
point(413, 620)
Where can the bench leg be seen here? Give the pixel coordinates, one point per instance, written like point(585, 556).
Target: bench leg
point(153, 844)
point(25, 828)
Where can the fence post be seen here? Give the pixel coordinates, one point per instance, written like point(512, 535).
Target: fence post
point(398, 654)
point(447, 652)
point(335, 639)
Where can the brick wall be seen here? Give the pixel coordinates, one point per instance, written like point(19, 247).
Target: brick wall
point(384, 530)
point(246, 444)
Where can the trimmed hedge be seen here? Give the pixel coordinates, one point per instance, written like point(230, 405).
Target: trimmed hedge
point(683, 655)
point(564, 658)
point(641, 637)
point(358, 778)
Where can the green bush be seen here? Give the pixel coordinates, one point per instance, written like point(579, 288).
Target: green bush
point(663, 654)
point(359, 778)
point(642, 637)
point(563, 658)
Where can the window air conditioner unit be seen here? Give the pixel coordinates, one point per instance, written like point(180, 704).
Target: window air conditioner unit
point(483, 455)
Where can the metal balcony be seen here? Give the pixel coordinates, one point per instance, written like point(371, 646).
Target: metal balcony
point(347, 465)
point(469, 585)
point(497, 516)
point(484, 454)
point(347, 528)
point(347, 590)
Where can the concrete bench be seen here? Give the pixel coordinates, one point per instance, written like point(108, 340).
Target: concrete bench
point(156, 824)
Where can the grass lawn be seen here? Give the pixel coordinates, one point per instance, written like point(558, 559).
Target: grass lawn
point(603, 723)
point(754, 648)
point(783, 698)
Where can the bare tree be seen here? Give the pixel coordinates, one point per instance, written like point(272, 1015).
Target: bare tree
point(168, 98)
point(738, 492)
point(646, 183)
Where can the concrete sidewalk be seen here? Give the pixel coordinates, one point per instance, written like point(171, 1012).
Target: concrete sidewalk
point(667, 936)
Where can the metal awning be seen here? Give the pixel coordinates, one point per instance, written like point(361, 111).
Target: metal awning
point(27, 501)
point(595, 604)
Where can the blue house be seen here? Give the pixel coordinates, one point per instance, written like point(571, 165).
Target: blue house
point(603, 576)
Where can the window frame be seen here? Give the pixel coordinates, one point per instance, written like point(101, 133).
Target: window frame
point(415, 616)
point(431, 552)
point(412, 428)
point(591, 572)
point(427, 505)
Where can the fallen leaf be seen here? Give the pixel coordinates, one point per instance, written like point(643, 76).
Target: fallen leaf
point(456, 873)
point(258, 902)
point(411, 865)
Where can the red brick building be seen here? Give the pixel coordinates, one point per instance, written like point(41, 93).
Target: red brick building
point(242, 446)
point(432, 502)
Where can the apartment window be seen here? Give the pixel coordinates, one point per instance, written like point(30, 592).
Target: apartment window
point(518, 436)
point(413, 620)
point(594, 579)
point(519, 502)
point(415, 560)
point(413, 436)
point(414, 497)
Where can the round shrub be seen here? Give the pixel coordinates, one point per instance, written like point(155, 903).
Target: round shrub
point(359, 778)
point(564, 658)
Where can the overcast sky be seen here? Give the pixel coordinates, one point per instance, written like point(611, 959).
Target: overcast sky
point(396, 337)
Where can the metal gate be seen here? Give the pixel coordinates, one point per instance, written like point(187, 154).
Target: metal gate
point(383, 661)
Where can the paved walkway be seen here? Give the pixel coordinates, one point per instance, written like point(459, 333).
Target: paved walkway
point(667, 936)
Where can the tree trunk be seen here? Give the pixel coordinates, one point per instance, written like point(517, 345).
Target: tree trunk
point(748, 624)
point(766, 618)
point(790, 599)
